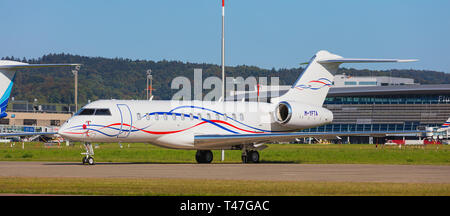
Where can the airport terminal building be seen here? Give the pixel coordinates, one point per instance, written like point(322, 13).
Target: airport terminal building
point(399, 104)
point(380, 108)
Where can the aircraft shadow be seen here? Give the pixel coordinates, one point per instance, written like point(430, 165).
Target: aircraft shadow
point(138, 163)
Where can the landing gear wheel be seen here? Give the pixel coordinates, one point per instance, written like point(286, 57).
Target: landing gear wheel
point(90, 161)
point(250, 157)
point(204, 156)
point(253, 156)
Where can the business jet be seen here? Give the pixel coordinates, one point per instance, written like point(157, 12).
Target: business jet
point(7, 75)
point(216, 125)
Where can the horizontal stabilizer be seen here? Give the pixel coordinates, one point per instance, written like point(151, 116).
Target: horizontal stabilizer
point(358, 60)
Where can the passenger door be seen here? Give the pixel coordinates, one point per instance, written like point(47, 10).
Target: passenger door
point(126, 124)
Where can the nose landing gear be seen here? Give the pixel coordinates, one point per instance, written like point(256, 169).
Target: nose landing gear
point(88, 159)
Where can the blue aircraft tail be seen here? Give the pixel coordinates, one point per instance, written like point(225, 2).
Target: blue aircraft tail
point(6, 84)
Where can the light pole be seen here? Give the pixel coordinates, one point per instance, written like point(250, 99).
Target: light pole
point(75, 73)
point(149, 88)
point(223, 50)
point(223, 61)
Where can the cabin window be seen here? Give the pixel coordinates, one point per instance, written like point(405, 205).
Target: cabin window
point(191, 116)
point(199, 116)
point(148, 116)
point(225, 117)
point(182, 116)
point(156, 116)
point(234, 116)
point(217, 117)
point(165, 116)
point(241, 117)
point(139, 117)
point(174, 116)
point(208, 116)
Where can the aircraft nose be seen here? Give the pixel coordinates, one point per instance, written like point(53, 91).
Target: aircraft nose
point(62, 129)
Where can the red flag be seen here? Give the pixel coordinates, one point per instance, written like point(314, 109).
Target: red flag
point(223, 3)
point(258, 89)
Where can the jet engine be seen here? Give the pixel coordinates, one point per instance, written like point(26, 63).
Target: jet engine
point(299, 116)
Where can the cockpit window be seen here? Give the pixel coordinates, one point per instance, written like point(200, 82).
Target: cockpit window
point(87, 112)
point(99, 112)
point(102, 112)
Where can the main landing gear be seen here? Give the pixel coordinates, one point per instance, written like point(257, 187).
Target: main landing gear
point(88, 159)
point(248, 156)
point(204, 156)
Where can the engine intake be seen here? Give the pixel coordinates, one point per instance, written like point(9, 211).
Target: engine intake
point(299, 116)
point(283, 112)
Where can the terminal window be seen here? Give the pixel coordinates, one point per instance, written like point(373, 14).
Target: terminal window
point(367, 83)
point(4, 121)
point(29, 122)
point(55, 123)
point(350, 83)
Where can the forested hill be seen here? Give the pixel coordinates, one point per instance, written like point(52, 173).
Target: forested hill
point(106, 78)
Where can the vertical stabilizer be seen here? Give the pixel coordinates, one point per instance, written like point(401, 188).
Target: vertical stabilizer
point(7, 75)
point(314, 82)
point(6, 84)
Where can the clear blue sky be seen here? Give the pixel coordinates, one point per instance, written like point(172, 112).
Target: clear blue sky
point(263, 33)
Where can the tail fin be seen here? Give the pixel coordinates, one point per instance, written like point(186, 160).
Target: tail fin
point(314, 82)
point(7, 75)
point(6, 83)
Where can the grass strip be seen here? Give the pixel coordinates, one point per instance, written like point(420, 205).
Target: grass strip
point(203, 187)
point(276, 153)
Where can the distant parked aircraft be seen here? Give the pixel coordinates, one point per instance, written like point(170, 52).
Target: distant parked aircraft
point(7, 74)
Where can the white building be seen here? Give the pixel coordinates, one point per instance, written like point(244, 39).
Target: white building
point(343, 80)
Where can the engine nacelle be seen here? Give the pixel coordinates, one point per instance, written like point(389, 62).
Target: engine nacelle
point(299, 116)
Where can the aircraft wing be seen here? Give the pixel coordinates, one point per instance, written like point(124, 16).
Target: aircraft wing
point(217, 141)
point(24, 65)
point(26, 134)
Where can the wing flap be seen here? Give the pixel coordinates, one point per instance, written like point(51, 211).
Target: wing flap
point(217, 141)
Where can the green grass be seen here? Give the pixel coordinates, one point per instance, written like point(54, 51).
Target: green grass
point(276, 153)
point(191, 187)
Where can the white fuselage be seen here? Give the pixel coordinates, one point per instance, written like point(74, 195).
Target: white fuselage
point(173, 124)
